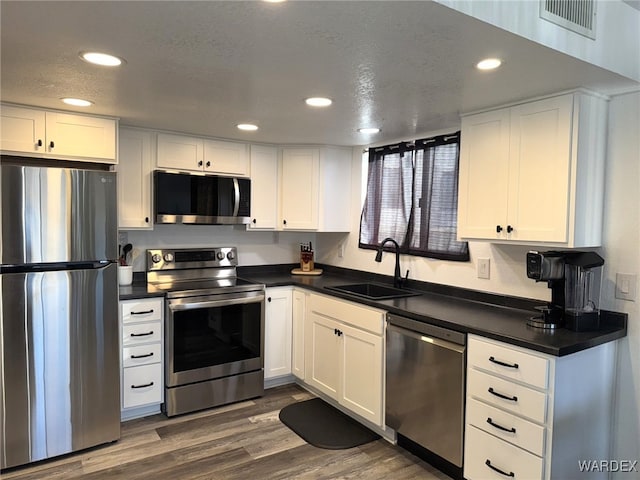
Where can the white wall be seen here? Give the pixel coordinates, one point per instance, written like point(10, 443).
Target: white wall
point(617, 43)
point(622, 255)
point(254, 248)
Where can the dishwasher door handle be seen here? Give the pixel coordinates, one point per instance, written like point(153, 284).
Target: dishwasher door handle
point(427, 339)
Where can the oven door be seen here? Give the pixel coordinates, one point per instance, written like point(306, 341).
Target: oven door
point(214, 336)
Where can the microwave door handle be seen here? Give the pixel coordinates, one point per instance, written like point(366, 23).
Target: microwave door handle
point(236, 197)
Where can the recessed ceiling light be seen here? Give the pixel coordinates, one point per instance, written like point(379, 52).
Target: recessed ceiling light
point(489, 64)
point(249, 127)
point(77, 102)
point(103, 59)
point(274, 1)
point(369, 130)
point(318, 102)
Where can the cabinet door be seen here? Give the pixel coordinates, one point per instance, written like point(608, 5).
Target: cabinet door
point(540, 160)
point(81, 136)
point(297, 345)
point(277, 335)
point(322, 353)
point(362, 358)
point(227, 158)
point(264, 188)
point(22, 130)
point(484, 175)
point(135, 166)
point(180, 152)
point(299, 188)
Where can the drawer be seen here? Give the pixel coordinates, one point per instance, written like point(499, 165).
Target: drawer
point(141, 310)
point(142, 385)
point(359, 316)
point(520, 432)
point(483, 451)
point(138, 333)
point(141, 355)
point(519, 399)
point(506, 361)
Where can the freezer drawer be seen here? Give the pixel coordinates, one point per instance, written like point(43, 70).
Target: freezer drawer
point(59, 363)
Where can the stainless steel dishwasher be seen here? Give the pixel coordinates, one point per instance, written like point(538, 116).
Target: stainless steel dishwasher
point(425, 388)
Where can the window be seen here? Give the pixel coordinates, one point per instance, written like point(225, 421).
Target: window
point(412, 197)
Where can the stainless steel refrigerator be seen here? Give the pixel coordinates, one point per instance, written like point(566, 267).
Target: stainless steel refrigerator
point(59, 349)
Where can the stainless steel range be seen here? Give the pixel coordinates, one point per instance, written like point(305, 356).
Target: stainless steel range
point(214, 335)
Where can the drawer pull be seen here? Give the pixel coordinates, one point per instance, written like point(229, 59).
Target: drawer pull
point(498, 362)
point(501, 472)
point(142, 334)
point(145, 312)
point(143, 356)
point(493, 392)
point(500, 427)
point(143, 386)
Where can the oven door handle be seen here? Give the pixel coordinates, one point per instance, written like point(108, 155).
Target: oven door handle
point(174, 307)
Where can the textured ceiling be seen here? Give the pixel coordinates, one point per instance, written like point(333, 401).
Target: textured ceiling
point(203, 67)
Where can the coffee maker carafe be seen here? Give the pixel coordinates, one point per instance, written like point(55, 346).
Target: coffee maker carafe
point(574, 280)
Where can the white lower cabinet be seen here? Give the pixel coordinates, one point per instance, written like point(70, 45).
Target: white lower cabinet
point(277, 332)
point(536, 416)
point(344, 355)
point(141, 329)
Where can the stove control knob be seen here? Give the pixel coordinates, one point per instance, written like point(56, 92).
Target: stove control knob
point(155, 258)
point(168, 257)
point(231, 255)
point(220, 255)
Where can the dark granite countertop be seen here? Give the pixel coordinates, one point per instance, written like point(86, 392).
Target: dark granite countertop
point(499, 317)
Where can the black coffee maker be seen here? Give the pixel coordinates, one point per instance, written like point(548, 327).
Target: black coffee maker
point(574, 280)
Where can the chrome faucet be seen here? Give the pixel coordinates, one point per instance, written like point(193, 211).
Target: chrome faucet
point(398, 281)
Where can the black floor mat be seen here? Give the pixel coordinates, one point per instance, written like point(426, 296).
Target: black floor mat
point(323, 426)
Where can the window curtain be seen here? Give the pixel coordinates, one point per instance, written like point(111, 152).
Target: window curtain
point(412, 197)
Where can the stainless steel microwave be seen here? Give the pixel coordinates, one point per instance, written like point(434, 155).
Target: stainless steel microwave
point(201, 199)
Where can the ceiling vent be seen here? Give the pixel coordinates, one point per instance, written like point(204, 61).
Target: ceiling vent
point(579, 16)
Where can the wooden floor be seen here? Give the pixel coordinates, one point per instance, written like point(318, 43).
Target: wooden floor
point(241, 441)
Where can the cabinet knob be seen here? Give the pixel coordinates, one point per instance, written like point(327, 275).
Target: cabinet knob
point(51, 144)
point(208, 164)
point(284, 222)
point(146, 219)
point(498, 228)
point(39, 144)
point(200, 163)
point(254, 221)
point(269, 299)
point(509, 229)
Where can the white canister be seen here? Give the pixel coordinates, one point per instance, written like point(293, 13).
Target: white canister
point(125, 274)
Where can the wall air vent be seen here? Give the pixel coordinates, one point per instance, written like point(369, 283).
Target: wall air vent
point(579, 16)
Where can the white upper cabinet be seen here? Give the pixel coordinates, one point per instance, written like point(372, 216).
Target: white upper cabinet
point(183, 152)
point(315, 188)
point(534, 173)
point(40, 133)
point(264, 188)
point(135, 172)
point(299, 187)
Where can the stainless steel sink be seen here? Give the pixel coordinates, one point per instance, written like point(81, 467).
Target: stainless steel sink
point(374, 291)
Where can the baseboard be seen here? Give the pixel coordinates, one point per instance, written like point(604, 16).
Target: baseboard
point(139, 412)
point(279, 381)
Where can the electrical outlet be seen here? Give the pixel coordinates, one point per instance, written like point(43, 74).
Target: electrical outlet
point(341, 250)
point(626, 286)
point(483, 267)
